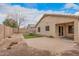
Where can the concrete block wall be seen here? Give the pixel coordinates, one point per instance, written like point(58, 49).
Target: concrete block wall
point(8, 31)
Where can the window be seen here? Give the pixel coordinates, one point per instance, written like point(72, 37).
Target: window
point(71, 29)
point(60, 30)
point(47, 28)
point(38, 29)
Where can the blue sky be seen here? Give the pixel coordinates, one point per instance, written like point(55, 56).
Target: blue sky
point(42, 6)
point(48, 6)
point(32, 11)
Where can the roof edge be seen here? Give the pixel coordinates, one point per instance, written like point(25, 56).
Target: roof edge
point(65, 15)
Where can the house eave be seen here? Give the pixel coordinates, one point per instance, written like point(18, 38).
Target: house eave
point(60, 15)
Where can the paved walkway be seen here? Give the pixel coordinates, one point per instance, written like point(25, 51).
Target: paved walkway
point(52, 44)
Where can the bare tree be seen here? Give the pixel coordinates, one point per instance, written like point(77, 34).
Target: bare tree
point(20, 20)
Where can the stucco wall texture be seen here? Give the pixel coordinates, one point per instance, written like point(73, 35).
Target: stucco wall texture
point(53, 20)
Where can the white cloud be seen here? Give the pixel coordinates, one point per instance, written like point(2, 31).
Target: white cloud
point(31, 15)
point(77, 13)
point(71, 5)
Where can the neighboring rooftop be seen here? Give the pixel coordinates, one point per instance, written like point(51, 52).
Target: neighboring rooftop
point(31, 25)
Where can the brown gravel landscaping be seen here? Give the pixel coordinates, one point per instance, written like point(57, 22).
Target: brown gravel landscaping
point(18, 47)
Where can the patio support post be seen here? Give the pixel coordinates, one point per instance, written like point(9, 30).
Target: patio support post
point(76, 31)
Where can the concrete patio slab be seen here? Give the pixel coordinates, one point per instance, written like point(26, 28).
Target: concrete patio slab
point(54, 45)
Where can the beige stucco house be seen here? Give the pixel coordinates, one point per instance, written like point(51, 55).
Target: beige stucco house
point(59, 25)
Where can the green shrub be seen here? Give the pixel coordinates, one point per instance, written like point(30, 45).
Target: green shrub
point(31, 35)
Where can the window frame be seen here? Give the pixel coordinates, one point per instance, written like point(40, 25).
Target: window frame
point(47, 28)
point(71, 29)
point(39, 29)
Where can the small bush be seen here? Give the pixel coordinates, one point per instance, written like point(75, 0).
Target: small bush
point(31, 35)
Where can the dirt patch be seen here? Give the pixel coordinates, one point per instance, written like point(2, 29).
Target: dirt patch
point(18, 47)
point(71, 52)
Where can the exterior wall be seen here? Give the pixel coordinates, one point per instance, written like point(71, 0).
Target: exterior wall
point(31, 30)
point(15, 30)
point(51, 21)
point(8, 31)
point(22, 30)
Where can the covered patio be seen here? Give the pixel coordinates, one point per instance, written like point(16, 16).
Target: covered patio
point(65, 30)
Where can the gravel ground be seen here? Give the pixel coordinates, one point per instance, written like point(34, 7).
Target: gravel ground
point(43, 46)
point(18, 47)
